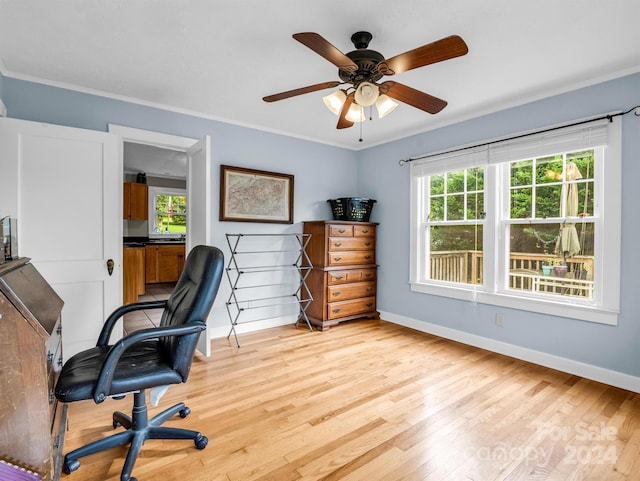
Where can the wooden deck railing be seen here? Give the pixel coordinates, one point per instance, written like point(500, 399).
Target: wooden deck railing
point(524, 271)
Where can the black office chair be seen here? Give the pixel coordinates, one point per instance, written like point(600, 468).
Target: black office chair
point(145, 359)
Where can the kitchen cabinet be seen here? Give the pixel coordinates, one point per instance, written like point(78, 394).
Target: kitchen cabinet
point(163, 262)
point(136, 201)
point(133, 273)
point(343, 281)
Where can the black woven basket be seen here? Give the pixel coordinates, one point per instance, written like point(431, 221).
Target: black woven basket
point(351, 208)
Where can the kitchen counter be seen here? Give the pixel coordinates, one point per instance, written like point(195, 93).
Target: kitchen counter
point(144, 241)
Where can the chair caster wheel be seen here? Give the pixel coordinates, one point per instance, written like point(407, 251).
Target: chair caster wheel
point(69, 466)
point(185, 412)
point(201, 442)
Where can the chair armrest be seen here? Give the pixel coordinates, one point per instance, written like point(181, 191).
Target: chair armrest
point(103, 385)
point(109, 324)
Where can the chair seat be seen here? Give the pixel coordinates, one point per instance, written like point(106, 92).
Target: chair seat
point(141, 367)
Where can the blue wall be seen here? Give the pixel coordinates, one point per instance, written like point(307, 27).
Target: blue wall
point(612, 347)
point(375, 173)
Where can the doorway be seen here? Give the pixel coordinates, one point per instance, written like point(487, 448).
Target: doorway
point(197, 159)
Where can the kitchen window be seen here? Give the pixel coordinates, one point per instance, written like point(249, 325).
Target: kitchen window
point(530, 223)
point(167, 211)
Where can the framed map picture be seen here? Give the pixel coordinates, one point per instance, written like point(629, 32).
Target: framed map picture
point(248, 195)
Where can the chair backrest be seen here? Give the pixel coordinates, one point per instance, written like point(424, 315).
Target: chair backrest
point(191, 302)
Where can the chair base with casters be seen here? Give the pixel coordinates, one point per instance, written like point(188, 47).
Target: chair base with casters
point(138, 428)
point(147, 358)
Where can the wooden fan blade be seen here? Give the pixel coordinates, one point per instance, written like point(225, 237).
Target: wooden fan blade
point(443, 49)
point(300, 91)
point(323, 48)
point(413, 97)
point(343, 123)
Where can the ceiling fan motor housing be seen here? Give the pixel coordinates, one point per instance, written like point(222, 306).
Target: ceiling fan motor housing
point(366, 60)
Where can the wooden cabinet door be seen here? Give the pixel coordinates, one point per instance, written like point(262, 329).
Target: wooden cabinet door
point(164, 263)
point(151, 264)
point(170, 263)
point(133, 273)
point(135, 202)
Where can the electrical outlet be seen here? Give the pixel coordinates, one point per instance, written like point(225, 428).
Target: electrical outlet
point(499, 319)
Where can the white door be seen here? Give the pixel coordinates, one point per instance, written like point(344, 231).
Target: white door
point(68, 205)
point(198, 208)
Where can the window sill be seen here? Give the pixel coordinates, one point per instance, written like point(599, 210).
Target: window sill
point(579, 311)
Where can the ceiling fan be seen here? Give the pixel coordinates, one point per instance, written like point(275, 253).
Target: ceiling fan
point(361, 70)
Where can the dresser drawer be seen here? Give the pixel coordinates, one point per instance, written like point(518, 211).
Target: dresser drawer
point(351, 291)
point(351, 308)
point(351, 243)
point(338, 230)
point(346, 258)
point(364, 230)
point(350, 275)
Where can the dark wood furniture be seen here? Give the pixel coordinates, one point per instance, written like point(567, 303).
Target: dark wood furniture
point(32, 421)
point(343, 280)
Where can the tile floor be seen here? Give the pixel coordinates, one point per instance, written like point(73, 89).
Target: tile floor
point(147, 318)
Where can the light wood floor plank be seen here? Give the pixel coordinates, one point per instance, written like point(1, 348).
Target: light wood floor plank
point(370, 400)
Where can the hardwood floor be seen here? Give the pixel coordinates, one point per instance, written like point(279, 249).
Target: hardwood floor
point(369, 400)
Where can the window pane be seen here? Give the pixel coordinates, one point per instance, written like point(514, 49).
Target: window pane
point(521, 173)
point(548, 201)
point(437, 184)
point(455, 207)
point(170, 214)
point(475, 206)
point(456, 253)
point(436, 211)
point(549, 169)
point(552, 259)
point(521, 203)
point(455, 181)
point(475, 179)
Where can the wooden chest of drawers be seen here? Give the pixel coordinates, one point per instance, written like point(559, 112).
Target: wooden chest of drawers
point(343, 281)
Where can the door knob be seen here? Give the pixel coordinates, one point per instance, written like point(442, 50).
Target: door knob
point(110, 265)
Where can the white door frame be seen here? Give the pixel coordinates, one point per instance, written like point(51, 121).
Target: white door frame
point(172, 142)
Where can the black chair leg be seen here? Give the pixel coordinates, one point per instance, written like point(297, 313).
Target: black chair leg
point(138, 429)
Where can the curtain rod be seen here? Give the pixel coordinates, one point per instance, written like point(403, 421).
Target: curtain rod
point(609, 117)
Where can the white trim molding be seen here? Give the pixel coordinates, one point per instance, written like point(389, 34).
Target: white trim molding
point(588, 371)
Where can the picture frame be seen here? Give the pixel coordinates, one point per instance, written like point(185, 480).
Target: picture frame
point(249, 195)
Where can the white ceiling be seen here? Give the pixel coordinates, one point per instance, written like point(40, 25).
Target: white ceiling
point(218, 58)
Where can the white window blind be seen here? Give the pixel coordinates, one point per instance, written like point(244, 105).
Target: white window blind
point(551, 141)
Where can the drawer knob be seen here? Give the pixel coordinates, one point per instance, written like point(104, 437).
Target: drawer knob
point(369, 304)
point(367, 244)
point(342, 231)
point(338, 278)
point(337, 259)
point(367, 257)
point(336, 310)
point(365, 231)
point(337, 293)
point(369, 289)
point(368, 275)
point(337, 244)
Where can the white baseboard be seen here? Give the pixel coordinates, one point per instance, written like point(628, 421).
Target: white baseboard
point(588, 371)
point(223, 331)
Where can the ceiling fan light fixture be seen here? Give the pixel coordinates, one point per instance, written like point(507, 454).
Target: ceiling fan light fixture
point(355, 113)
point(335, 101)
point(366, 94)
point(385, 105)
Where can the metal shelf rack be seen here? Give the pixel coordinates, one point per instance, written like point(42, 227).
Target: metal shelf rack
point(267, 272)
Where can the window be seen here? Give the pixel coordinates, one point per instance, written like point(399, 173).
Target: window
point(167, 211)
point(531, 223)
